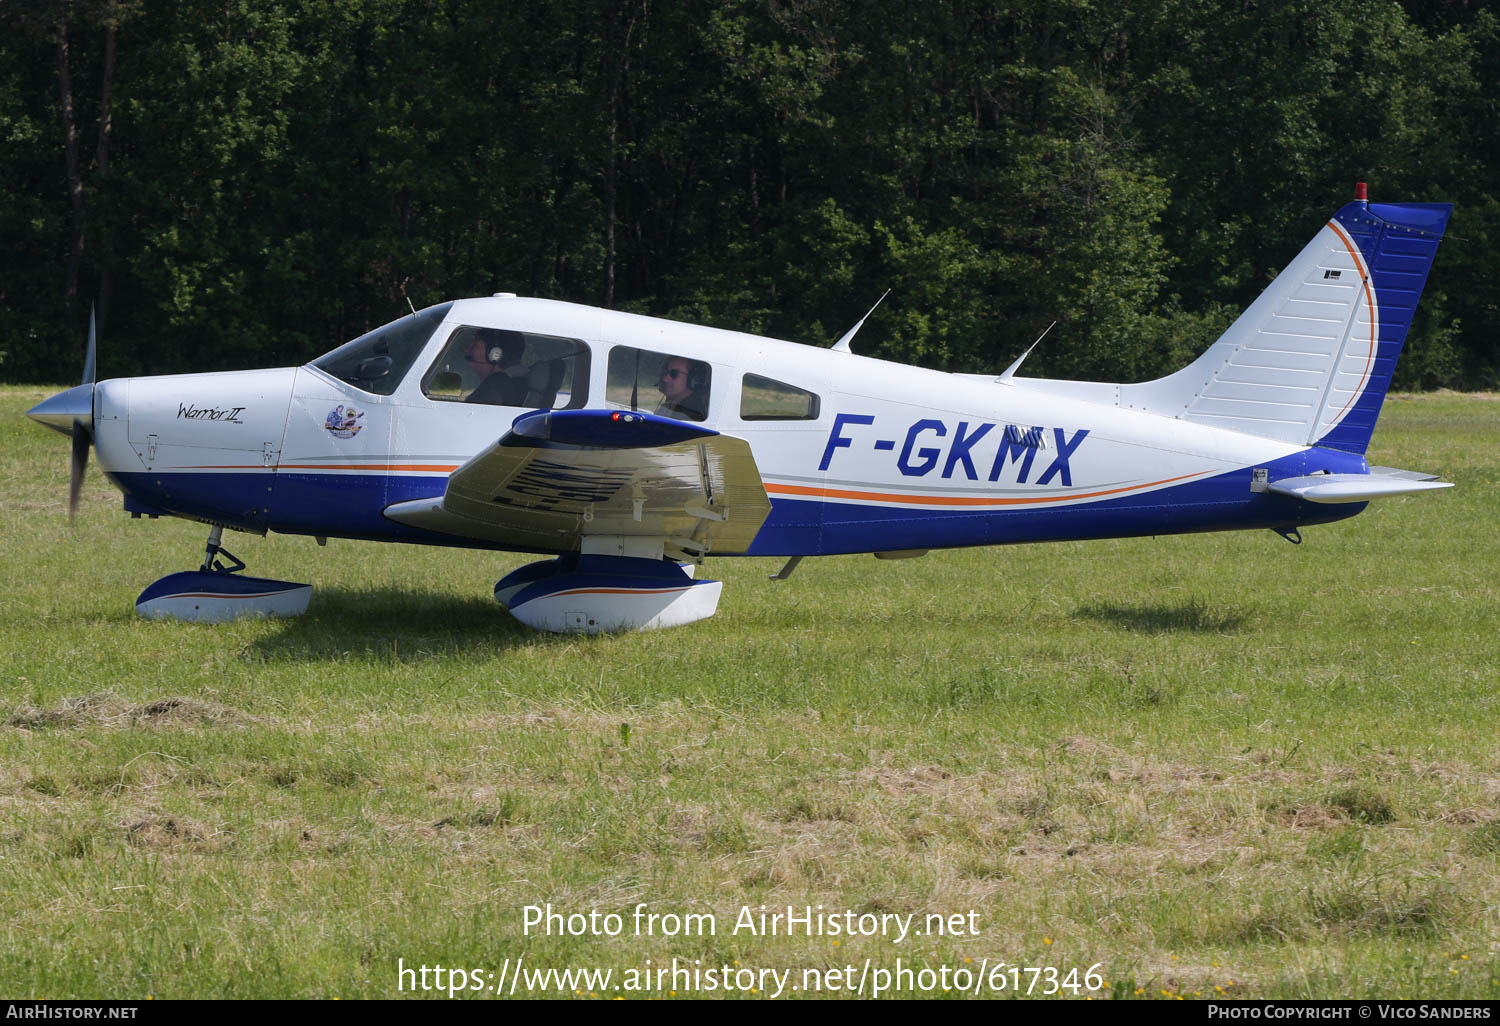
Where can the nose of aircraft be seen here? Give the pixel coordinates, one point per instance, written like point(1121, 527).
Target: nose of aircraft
point(65, 409)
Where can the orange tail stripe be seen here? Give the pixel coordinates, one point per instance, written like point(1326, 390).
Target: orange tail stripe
point(1369, 302)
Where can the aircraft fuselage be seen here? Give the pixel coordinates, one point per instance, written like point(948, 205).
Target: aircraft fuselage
point(881, 457)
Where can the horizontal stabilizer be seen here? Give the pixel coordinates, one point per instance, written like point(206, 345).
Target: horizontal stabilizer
point(1379, 483)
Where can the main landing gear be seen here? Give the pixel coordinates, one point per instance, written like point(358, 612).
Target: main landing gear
point(614, 584)
point(214, 592)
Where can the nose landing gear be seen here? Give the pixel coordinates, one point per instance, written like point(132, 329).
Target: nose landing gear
point(215, 593)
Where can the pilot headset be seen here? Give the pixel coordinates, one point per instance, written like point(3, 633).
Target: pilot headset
point(697, 374)
point(494, 352)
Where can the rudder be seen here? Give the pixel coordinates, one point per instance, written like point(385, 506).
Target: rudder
point(1397, 243)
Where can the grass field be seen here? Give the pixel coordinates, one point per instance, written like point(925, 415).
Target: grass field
point(1210, 764)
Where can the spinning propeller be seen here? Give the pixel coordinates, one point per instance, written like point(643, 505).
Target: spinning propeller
point(72, 413)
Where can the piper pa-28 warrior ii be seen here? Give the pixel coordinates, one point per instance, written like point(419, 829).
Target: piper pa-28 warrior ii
point(627, 449)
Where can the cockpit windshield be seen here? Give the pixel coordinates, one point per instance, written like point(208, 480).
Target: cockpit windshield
point(378, 360)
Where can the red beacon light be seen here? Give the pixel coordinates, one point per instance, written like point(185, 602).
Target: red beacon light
point(1361, 192)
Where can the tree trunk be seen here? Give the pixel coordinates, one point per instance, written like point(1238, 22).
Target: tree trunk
point(101, 163)
point(75, 178)
point(609, 209)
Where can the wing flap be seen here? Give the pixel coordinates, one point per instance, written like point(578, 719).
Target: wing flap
point(556, 478)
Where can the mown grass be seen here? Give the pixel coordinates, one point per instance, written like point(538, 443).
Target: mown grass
point(1212, 764)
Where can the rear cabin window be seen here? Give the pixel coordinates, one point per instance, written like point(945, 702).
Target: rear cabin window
point(766, 399)
point(501, 367)
point(660, 383)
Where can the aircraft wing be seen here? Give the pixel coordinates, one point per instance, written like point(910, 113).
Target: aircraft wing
point(558, 476)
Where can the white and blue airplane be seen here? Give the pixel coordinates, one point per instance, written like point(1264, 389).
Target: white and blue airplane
point(627, 449)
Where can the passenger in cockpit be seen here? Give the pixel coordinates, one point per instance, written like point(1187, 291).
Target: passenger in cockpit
point(495, 355)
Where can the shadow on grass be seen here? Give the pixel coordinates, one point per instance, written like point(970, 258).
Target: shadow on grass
point(1159, 618)
point(396, 624)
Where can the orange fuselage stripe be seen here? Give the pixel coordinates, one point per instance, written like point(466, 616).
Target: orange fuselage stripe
point(961, 500)
point(223, 595)
point(616, 591)
point(435, 468)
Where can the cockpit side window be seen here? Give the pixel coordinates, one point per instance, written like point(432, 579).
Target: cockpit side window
point(378, 360)
point(660, 383)
point(503, 367)
point(766, 399)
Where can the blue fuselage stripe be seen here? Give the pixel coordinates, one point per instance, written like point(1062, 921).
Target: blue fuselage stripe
point(351, 505)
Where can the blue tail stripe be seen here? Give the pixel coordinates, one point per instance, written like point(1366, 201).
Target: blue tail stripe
point(1398, 242)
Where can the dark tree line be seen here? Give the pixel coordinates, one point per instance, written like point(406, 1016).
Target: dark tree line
point(245, 182)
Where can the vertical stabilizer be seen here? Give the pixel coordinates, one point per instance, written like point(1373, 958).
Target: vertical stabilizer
point(1309, 362)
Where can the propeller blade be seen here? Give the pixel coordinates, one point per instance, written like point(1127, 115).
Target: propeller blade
point(82, 439)
point(83, 434)
point(88, 361)
point(72, 413)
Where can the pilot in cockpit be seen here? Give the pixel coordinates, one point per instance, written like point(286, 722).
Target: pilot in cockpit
point(684, 389)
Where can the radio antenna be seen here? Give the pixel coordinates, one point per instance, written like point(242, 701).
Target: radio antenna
point(1010, 371)
point(842, 345)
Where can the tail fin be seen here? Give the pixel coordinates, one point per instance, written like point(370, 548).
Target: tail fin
point(1310, 361)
